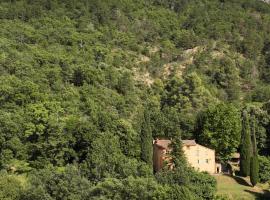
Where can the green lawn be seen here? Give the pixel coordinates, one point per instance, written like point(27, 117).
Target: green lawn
point(237, 188)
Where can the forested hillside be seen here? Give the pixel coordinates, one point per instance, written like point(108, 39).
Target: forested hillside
point(86, 85)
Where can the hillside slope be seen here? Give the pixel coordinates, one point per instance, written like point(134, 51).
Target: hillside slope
point(81, 81)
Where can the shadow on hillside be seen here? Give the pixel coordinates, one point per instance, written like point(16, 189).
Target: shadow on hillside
point(239, 180)
point(260, 196)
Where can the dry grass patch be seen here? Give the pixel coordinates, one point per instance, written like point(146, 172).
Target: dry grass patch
point(238, 188)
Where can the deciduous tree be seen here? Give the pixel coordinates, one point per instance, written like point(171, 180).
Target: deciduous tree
point(219, 127)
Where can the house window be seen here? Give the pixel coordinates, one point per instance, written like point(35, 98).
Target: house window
point(207, 161)
point(198, 161)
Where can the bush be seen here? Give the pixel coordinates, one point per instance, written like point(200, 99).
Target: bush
point(181, 192)
point(177, 176)
point(221, 197)
point(185, 39)
point(199, 185)
point(129, 188)
point(264, 169)
point(10, 187)
point(261, 93)
point(50, 184)
point(202, 184)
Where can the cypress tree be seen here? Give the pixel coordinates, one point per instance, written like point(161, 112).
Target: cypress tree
point(177, 153)
point(245, 148)
point(254, 165)
point(254, 170)
point(146, 140)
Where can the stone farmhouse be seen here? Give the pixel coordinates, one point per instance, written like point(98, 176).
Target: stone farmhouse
point(198, 156)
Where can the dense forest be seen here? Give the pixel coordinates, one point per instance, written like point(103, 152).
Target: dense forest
point(86, 85)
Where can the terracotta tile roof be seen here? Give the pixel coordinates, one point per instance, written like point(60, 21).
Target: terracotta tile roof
point(189, 142)
point(165, 144)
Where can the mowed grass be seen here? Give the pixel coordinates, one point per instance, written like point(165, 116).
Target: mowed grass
point(237, 188)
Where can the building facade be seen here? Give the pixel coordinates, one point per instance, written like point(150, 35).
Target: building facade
point(199, 157)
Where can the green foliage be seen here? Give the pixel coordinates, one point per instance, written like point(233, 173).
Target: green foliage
point(264, 169)
point(221, 197)
point(219, 127)
point(10, 187)
point(105, 162)
point(181, 192)
point(202, 185)
point(146, 140)
point(261, 93)
point(184, 98)
point(130, 188)
point(177, 154)
point(260, 120)
point(254, 163)
point(55, 185)
point(245, 147)
point(76, 75)
point(185, 39)
point(178, 176)
point(254, 170)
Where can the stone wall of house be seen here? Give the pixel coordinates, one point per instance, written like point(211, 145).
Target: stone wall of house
point(198, 156)
point(201, 158)
point(158, 155)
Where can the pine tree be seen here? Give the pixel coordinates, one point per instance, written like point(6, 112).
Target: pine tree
point(146, 140)
point(245, 148)
point(254, 165)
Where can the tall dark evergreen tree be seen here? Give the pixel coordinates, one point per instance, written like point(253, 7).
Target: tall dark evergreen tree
point(254, 170)
point(146, 139)
point(177, 154)
point(245, 148)
point(254, 165)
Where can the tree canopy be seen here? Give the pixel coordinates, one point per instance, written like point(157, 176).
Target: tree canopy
point(220, 129)
point(84, 82)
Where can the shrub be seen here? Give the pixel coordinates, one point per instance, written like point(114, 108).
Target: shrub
point(202, 184)
point(10, 187)
point(181, 192)
point(129, 188)
point(264, 169)
point(50, 184)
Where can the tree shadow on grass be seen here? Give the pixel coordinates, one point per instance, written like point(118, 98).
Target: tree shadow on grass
point(260, 196)
point(240, 180)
